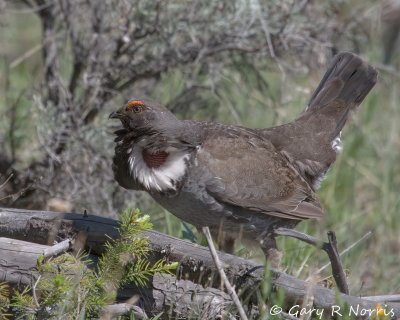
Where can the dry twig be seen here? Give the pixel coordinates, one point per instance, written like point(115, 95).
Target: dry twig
point(58, 248)
point(329, 247)
point(218, 264)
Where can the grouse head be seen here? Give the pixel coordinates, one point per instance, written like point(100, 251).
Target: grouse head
point(149, 153)
point(144, 117)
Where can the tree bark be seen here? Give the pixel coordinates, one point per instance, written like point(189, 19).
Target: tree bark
point(18, 261)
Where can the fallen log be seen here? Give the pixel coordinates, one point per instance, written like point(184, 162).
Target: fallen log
point(164, 293)
point(196, 264)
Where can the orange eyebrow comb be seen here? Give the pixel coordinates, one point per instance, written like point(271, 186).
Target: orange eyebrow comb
point(135, 103)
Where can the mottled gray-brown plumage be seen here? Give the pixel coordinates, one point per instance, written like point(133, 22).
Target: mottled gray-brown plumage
point(240, 182)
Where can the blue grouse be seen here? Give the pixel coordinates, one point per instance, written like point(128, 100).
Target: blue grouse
point(240, 182)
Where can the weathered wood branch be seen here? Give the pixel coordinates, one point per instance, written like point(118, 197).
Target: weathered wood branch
point(196, 263)
point(165, 293)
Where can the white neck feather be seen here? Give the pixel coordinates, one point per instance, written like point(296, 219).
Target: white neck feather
point(162, 178)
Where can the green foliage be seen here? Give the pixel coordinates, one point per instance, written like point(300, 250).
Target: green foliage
point(70, 288)
point(24, 305)
point(140, 271)
point(127, 257)
point(4, 300)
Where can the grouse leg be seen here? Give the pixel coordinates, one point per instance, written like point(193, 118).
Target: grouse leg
point(226, 243)
point(271, 252)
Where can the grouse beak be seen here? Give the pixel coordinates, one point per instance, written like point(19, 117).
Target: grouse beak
point(114, 115)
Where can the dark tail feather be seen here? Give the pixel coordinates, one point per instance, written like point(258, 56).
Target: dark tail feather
point(307, 141)
point(348, 79)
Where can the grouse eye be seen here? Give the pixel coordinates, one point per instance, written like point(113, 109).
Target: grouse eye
point(137, 109)
point(137, 106)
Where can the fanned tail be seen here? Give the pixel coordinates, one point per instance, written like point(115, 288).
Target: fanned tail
point(348, 79)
